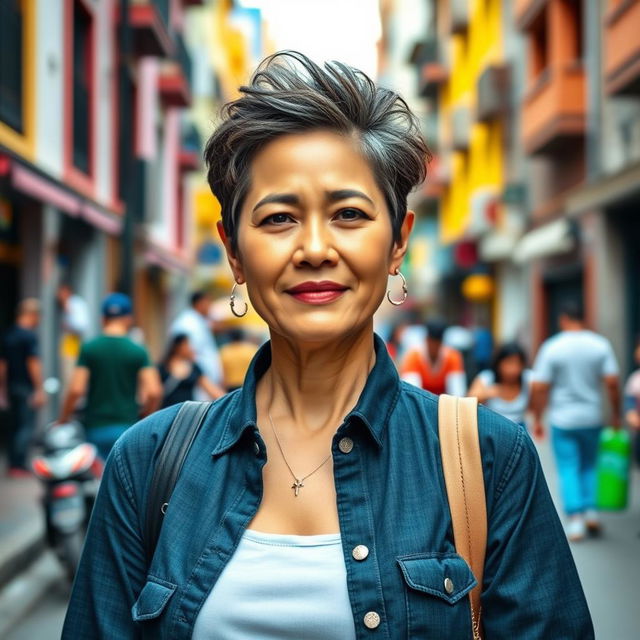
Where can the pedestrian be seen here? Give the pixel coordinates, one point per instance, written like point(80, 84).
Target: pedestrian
point(117, 377)
point(74, 326)
point(632, 401)
point(505, 387)
point(438, 368)
point(21, 388)
point(180, 375)
point(569, 372)
point(312, 167)
point(236, 355)
point(195, 323)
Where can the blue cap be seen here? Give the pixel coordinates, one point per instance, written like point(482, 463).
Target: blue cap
point(116, 305)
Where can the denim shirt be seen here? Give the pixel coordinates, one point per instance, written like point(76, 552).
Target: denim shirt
point(391, 498)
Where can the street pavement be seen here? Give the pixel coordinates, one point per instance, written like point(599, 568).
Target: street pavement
point(609, 568)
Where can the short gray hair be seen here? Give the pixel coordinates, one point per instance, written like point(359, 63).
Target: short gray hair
point(290, 94)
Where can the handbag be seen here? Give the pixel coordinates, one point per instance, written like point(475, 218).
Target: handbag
point(464, 481)
point(461, 465)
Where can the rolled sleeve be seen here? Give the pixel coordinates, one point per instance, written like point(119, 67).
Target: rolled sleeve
point(531, 587)
point(543, 367)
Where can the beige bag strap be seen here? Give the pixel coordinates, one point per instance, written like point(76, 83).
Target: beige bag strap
point(462, 466)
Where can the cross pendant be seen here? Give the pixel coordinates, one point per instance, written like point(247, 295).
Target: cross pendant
point(296, 486)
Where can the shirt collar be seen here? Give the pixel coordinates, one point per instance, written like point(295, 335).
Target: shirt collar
point(376, 402)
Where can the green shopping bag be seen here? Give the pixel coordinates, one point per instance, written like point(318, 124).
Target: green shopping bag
point(612, 471)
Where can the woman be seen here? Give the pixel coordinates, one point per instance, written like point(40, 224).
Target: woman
point(180, 374)
point(505, 388)
point(312, 503)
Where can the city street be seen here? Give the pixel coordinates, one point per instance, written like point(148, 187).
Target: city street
point(609, 569)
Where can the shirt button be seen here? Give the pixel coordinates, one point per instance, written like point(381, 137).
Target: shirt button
point(360, 552)
point(371, 620)
point(345, 445)
point(256, 448)
point(448, 585)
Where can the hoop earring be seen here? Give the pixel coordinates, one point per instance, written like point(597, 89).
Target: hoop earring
point(405, 291)
point(232, 303)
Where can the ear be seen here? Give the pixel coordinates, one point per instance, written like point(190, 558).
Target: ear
point(232, 256)
point(400, 248)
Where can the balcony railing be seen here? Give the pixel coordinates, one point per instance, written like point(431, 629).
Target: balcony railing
point(433, 71)
point(460, 127)
point(459, 15)
point(150, 22)
point(190, 148)
point(554, 109)
point(174, 81)
point(622, 49)
point(493, 93)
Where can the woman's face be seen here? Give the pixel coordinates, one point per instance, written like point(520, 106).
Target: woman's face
point(314, 238)
point(184, 350)
point(511, 368)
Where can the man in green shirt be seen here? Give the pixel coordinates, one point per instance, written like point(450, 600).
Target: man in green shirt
point(117, 377)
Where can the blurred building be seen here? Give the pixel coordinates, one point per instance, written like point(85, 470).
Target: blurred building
point(94, 151)
point(536, 177)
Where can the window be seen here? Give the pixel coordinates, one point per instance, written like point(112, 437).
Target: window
point(82, 87)
point(11, 63)
point(538, 47)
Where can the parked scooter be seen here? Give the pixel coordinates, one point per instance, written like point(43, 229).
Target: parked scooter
point(70, 469)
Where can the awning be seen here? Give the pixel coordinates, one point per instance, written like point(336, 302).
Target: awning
point(551, 239)
point(497, 246)
point(38, 186)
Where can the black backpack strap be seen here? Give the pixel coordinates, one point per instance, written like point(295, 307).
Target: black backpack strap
point(178, 441)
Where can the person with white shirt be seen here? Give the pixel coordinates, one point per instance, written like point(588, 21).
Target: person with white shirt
point(569, 372)
point(75, 325)
point(195, 324)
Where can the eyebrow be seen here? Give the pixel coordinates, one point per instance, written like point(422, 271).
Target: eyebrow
point(332, 196)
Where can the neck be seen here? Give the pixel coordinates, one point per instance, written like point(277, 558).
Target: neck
point(24, 323)
point(311, 387)
point(115, 329)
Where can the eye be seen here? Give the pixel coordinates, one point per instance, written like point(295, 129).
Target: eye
point(351, 214)
point(276, 219)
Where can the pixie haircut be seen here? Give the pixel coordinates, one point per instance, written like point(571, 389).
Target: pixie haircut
point(290, 94)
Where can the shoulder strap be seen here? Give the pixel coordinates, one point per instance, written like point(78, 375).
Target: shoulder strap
point(178, 441)
point(462, 466)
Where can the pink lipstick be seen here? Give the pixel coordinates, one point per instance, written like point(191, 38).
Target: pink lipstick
point(317, 292)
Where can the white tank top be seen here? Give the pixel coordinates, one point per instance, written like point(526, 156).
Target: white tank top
point(280, 587)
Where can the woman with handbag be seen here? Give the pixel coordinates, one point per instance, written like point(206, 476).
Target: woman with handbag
point(312, 502)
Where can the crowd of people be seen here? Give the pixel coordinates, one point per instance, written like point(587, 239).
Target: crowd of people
point(566, 381)
point(110, 381)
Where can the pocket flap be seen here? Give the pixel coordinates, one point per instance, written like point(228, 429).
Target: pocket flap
point(152, 599)
point(445, 575)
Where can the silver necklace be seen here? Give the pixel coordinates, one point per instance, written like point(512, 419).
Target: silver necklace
point(297, 482)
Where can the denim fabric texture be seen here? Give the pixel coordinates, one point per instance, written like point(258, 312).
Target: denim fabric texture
point(576, 453)
point(390, 497)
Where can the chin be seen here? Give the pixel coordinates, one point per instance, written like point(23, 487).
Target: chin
point(331, 328)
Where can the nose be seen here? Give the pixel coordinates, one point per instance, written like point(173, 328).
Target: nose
point(317, 246)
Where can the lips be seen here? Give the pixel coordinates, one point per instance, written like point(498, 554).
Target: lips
point(317, 292)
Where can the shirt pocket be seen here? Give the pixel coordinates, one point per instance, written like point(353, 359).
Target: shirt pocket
point(437, 588)
point(152, 600)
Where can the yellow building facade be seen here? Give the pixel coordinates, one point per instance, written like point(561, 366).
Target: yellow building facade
point(477, 147)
